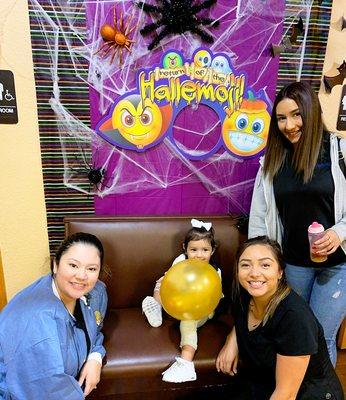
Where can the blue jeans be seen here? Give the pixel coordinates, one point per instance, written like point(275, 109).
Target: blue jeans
point(324, 290)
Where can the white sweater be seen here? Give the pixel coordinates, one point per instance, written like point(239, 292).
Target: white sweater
point(264, 215)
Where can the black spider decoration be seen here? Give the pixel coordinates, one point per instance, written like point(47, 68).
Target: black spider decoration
point(177, 17)
point(96, 176)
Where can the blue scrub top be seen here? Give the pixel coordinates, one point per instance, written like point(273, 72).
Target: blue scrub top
point(41, 349)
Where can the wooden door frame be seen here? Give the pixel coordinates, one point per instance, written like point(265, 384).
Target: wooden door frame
point(3, 298)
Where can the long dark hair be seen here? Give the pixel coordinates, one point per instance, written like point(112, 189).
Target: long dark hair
point(308, 147)
point(240, 296)
point(79, 237)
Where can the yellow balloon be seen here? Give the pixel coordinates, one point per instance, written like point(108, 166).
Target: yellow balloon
point(190, 290)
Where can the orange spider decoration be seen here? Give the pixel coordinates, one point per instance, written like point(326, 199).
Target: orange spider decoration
point(116, 38)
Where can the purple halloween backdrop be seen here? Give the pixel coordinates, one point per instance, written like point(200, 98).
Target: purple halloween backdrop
point(161, 180)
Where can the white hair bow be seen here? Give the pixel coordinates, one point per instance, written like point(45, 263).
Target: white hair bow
point(200, 224)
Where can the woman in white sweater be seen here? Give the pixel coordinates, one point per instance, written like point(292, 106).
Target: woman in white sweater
point(302, 180)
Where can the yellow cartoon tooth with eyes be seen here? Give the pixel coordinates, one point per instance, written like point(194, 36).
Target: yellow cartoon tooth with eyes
point(202, 59)
point(136, 123)
point(245, 131)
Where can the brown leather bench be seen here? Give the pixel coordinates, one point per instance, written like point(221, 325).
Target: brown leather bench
point(138, 251)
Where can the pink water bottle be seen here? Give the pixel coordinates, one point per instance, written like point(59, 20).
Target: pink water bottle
point(315, 232)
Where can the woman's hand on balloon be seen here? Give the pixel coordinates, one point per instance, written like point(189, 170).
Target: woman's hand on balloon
point(227, 360)
point(90, 376)
point(328, 243)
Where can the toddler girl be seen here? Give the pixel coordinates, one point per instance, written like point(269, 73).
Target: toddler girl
point(199, 244)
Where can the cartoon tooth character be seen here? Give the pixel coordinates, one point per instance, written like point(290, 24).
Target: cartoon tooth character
point(245, 131)
point(136, 124)
point(221, 64)
point(202, 59)
point(172, 60)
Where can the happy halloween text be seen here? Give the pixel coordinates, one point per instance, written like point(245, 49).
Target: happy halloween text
point(188, 90)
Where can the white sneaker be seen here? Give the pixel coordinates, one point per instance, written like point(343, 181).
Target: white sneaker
point(153, 311)
point(180, 371)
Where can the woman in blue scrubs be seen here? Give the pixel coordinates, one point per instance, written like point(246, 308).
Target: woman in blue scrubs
point(50, 333)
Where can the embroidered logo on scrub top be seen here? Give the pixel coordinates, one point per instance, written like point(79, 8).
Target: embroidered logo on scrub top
point(98, 317)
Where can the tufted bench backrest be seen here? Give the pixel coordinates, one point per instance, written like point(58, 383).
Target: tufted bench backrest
point(138, 250)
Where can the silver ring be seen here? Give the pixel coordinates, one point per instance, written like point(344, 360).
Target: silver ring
point(330, 242)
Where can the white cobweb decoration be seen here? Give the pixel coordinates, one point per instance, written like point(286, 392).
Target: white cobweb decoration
point(93, 166)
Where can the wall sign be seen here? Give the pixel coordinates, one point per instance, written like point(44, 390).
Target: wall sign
point(341, 123)
point(8, 103)
point(141, 119)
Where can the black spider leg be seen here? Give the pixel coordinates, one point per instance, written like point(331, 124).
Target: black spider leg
point(102, 171)
point(82, 171)
point(151, 27)
point(85, 170)
point(77, 170)
point(105, 179)
point(94, 163)
point(202, 34)
point(149, 8)
point(165, 31)
point(90, 171)
point(94, 175)
point(205, 4)
point(165, 3)
point(84, 158)
point(155, 9)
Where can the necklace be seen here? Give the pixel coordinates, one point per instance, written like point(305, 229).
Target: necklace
point(253, 321)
